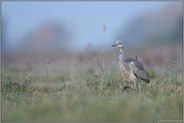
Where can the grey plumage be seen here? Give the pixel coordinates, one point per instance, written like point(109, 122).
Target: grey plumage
point(131, 68)
point(137, 69)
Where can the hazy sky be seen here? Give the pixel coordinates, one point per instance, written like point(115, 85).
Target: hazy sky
point(84, 18)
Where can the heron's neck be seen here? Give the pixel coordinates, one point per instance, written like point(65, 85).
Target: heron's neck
point(121, 56)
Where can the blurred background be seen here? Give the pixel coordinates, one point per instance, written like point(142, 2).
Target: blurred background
point(72, 33)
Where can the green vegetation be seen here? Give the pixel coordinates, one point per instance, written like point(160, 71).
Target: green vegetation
point(79, 98)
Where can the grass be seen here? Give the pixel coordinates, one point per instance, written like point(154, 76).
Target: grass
point(81, 98)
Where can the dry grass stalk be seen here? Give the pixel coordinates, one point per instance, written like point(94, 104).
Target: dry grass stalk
point(103, 60)
point(47, 61)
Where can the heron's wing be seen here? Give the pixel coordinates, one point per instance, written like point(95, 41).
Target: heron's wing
point(138, 69)
point(137, 63)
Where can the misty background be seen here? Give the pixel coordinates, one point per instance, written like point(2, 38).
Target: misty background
point(73, 31)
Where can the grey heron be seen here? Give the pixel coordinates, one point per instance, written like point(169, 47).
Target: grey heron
point(132, 70)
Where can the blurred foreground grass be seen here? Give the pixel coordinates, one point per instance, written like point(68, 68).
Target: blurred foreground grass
point(80, 98)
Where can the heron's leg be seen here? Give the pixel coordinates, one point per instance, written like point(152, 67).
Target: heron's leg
point(132, 85)
point(136, 86)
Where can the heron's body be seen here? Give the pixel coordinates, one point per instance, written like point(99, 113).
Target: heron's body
point(132, 70)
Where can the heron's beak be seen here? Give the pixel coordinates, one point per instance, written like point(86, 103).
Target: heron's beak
point(114, 45)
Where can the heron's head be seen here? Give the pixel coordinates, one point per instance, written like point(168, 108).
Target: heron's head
point(118, 44)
